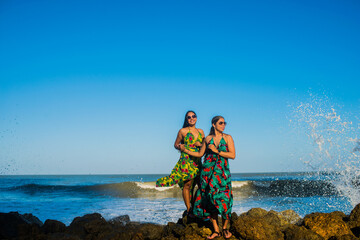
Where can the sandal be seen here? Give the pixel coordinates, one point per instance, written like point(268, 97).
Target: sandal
point(218, 235)
point(225, 232)
point(190, 215)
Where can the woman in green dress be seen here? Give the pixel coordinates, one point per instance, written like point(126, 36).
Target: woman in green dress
point(214, 196)
point(187, 168)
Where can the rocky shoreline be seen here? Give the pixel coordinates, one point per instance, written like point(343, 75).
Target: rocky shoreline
point(256, 224)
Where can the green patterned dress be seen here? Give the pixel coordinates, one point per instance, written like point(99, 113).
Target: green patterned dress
point(187, 167)
point(215, 192)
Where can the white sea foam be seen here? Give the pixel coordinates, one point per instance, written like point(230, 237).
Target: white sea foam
point(239, 184)
point(335, 143)
point(152, 185)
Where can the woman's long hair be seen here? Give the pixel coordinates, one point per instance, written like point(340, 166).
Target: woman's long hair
point(214, 120)
point(186, 122)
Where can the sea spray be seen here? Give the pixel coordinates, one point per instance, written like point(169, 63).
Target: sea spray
point(335, 147)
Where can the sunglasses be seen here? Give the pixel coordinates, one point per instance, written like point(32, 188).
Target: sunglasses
point(221, 123)
point(193, 116)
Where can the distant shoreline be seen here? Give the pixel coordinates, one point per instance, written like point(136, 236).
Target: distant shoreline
point(164, 174)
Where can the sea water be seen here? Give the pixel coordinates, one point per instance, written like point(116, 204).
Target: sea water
point(332, 157)
point(68, 196)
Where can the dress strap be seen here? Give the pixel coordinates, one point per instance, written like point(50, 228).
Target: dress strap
point(213, 142)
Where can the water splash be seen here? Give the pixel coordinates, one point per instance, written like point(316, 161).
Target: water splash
point(335, 145)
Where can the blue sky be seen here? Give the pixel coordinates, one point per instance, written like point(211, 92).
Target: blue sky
point(103, 86)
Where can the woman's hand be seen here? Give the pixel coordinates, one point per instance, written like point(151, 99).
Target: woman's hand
point(213, 148)
point(182, 147)
point(197, 144)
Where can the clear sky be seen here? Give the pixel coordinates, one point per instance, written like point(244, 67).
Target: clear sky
point(101, 87)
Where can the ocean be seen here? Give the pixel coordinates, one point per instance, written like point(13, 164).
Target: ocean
point(64, 197)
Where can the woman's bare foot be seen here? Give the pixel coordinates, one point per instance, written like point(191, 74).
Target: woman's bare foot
point(214, 235)
point(227, 234)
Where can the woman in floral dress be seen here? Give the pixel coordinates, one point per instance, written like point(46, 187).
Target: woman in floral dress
point(187, 168)
point(215, 194)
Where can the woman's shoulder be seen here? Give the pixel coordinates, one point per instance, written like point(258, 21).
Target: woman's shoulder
point(227, 136)
point(201, 131)
point(208, 138)
point(183, 131)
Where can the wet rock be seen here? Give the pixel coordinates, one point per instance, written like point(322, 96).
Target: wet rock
point(10, 224)
point(354, 221)
point(256, 212)
point(57, 236)
point(32, 219)
point(128, 235)
point(234, 216)
point(327, 224)
point(53, 226)
point(191, 237)
point(255, 228)
point(173, 229)
point(194, 229)
point(344, 237)
point(275, 219)
point(355, 214)
point(339, 214)
point(290, 216)
point(29, 231)
point(88, 224)
point(151, 231)
point(169, 238)
point(136, 236)
point(294, 232)
point(123, 220)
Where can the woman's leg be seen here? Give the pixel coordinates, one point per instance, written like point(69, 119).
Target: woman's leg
point(227, 233)
point(214, 221)
point(186, 194)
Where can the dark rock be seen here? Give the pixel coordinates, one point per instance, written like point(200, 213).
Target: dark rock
point(339, 214)
point(191, 237)
point(10, 224)
point(354, 221)
point(355, 214)
point(356, 231)
point(53, 226)
point(137, 236)
point(29, 231)
point(256, 212)
point(169, 238)
point(254, 227)
point(274, 219)
point(32, 219)
point(123, 220)
point(290, 216)
point(344, 237)
point(151, 231)
point(294, 232)
point(194, 230)
point(92, 224)
point(57, 236)
point(173, 229)
point(128, 235)
point(326, 224)
point(234, 216)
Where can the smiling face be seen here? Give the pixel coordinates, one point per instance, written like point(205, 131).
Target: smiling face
point(220, 125)
point(191, 118)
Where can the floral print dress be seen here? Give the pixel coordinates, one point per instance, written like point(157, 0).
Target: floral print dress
point(215, 192)
point(187, 167)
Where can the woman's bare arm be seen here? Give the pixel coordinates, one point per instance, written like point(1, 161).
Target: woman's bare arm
point(231, 153)
point(194, 154)
point(178, 140)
